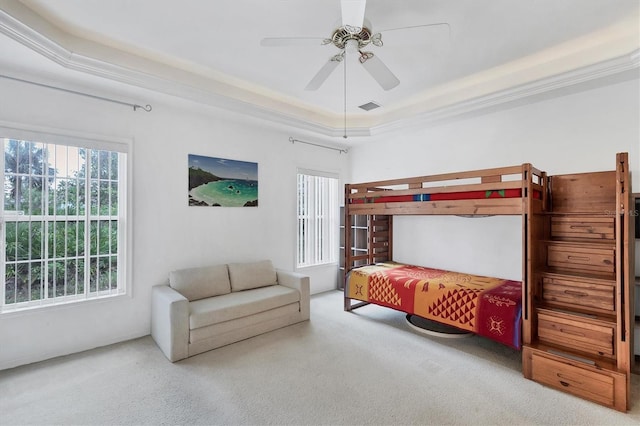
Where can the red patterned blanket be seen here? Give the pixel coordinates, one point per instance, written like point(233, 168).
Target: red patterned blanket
point(489, 307)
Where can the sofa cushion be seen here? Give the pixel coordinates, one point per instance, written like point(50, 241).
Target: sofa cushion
point(200, 283)
point(247, 276)
point(216, 331)
point(239, 304)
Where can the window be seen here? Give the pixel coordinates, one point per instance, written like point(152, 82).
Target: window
point(64, 223)
point(318, 222)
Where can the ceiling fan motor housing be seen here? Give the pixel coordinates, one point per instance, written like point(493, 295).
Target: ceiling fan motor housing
point(345, 33)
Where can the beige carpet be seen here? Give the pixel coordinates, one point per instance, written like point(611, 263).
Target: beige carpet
point(366, 367)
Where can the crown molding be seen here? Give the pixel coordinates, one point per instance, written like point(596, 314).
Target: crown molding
point(67, 51)
point(626, 67)
point(157, 77)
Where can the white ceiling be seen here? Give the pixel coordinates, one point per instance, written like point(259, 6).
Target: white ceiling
point(210, 51)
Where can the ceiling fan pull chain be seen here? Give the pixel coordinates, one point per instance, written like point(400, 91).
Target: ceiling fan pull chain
point(345, 98)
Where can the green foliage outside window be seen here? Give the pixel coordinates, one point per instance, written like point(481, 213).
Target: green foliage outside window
point(51, 240)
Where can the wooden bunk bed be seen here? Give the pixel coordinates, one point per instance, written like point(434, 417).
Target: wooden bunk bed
point(570, 224)
point(487, 306)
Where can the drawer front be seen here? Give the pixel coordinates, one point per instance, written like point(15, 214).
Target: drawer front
point(600, 228)
point(583, 293)
point(578, 381)
point(576, 332)
point(585, 259)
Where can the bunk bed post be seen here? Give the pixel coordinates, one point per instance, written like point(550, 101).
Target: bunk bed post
point(544, 182)
point(534, 227)
point(625, 270)
point(527, 271)
point(348, 238)
point(390, 239)
point(370, 240)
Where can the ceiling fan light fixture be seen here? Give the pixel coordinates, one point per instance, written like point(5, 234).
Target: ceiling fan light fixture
point(352, 46)
point(338, 58)
point(376, 40)
point(365, 56)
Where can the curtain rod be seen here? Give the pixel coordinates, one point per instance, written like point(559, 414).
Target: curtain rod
point(135, 107)
point(340, 150)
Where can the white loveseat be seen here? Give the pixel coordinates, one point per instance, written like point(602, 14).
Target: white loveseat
point(208, 307)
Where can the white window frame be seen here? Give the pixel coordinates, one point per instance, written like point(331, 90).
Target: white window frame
point(327, 210)
point(123, 148)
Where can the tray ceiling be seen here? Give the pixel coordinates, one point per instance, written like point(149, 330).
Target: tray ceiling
point(210, 52)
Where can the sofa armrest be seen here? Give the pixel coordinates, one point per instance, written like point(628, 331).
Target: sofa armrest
point(299, 282)
point(170, 322)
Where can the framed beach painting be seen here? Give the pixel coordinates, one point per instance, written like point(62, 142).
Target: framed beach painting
point(221, 182)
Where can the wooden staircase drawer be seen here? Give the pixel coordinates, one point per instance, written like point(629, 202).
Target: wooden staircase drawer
point(579, 292)
point(601, 387)
point(581, 258)
point(576, 332)
point(601, 228)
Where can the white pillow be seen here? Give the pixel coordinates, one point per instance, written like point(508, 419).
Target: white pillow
point(200, 283)
point(245, 276)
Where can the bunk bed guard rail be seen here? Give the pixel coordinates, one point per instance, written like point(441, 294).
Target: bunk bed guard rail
point(496, 191)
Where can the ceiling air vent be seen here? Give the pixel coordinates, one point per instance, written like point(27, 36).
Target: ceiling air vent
point(369, 106)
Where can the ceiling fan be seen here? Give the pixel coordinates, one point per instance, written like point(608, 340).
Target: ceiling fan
point(353, 36)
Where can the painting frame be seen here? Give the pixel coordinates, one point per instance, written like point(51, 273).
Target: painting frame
point(221, 182)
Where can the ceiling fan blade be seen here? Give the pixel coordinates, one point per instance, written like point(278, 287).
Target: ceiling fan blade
point(324, 73)
point(444, 25)
point(292, 41)
point(380, 72)
point(353, 12)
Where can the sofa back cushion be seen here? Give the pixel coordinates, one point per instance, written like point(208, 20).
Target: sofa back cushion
point(245, 276)
point(200, 283)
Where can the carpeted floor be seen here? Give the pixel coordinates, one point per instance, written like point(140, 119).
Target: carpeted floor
point(366, 367)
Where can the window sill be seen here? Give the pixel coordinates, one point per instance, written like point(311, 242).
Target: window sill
point(6, 312)
point(318, 265)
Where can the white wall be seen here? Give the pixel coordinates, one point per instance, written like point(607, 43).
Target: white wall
point(580, 132)
point(167, 233)
point(575, 133)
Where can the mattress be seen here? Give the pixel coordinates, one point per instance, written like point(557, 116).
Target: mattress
point(489, 307)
